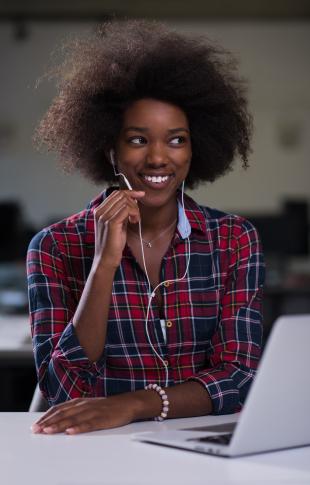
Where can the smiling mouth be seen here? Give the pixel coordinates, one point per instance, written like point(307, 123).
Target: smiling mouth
point(156, 180)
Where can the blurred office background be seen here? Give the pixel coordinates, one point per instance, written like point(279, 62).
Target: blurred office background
point(271, 41)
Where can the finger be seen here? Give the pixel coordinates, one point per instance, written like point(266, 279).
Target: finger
point(133, 194)
point(106, 212)
point(124, 215)
point(108, 208)
point(134, 201)
point(121, 211)
point(122, 199)
point(69, 421)
point(54, 411)
point(57, 422)
point(62, 405)
point(116, 202)
point(70, 409)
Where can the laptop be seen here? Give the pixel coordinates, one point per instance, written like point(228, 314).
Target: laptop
point(276, 414)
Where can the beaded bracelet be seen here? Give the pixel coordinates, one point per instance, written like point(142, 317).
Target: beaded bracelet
point(164, 398)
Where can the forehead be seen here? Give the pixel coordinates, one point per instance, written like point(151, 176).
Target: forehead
point(146, 112)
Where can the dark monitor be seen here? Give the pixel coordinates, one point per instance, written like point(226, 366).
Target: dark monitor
point(286, 233)
point(15, 234)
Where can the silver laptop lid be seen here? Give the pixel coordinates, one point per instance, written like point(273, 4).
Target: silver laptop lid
point(277, 410)
point(276, 413)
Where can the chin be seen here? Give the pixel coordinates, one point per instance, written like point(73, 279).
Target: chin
point(157, 200)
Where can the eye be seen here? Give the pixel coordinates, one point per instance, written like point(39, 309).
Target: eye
point(177, 140)
point(137, 140)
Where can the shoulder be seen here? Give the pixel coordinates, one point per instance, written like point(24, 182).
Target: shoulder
point(236, 238)
point(230, 224)
point(235, 232)
point(68, 232)
point(222, 224)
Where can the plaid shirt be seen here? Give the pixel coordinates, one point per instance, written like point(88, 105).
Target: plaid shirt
point(213, 316)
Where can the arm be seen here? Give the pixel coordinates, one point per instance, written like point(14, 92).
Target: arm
point(84, 415)
point(220, 388)
point(236, 344)
point(91, 316)
point(64, 370)
point(68, 330)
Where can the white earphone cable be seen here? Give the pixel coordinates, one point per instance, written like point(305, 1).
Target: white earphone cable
point(151, 294)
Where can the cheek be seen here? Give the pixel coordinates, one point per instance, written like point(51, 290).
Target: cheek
point(128, 159)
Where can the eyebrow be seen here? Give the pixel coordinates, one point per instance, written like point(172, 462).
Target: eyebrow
point(144, 130)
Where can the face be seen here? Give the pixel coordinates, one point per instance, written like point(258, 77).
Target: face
point(154, 149)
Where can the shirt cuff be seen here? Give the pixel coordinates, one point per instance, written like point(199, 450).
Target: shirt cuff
point(222, 390)
point(70, 350)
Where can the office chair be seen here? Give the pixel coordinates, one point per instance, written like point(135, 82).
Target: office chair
point(38, 402)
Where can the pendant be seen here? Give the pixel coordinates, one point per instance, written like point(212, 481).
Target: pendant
point(149, 245)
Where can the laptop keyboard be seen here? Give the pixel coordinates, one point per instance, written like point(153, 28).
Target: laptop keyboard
point(215, 428)
point(220, 439)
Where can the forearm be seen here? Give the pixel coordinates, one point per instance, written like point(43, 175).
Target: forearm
point(185, 400)
point(91, 316)
point(188, 399)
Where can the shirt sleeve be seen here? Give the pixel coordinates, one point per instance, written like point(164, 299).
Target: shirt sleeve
point(236, 344)
point(64, 371)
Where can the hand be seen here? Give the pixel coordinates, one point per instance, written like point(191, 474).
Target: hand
point(111, 219)
point(82, 415)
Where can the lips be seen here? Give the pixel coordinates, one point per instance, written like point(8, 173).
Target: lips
point(156, 181)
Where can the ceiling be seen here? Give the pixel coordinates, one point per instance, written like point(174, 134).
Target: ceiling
point(66, 10)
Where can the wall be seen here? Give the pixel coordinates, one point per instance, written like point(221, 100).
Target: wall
point(273, 56)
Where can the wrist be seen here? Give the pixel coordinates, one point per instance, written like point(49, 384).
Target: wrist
point(103, 268)
point(163, 396)
point(146, 404)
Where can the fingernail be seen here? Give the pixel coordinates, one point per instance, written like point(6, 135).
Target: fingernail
point(35, 428)
point(70, 430)
point(49, 429)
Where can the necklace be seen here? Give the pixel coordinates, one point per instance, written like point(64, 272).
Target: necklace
point(148, 244)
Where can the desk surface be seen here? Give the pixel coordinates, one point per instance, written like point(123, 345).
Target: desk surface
point(112, 457)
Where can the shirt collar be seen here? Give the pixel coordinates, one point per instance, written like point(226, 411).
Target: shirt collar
point(194, 219)
point(184, 226)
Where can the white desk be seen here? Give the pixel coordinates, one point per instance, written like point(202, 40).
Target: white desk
point(111, 457)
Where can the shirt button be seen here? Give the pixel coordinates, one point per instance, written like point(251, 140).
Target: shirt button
point(169, 323)
point(166, 362)
point(166, 284)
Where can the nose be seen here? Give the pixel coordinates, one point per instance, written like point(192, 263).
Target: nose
point(156, 155)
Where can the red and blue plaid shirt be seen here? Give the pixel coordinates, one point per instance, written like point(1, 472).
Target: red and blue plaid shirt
point(214, 322)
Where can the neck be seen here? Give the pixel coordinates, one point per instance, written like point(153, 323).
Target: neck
point(154, 220)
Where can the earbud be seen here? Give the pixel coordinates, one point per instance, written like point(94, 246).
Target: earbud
point(119, 174)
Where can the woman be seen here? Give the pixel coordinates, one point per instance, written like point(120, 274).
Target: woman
point(144, 305)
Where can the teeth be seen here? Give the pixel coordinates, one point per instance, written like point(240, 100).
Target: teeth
point(156, 180)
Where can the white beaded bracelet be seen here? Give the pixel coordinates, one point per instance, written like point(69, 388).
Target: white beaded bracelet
point(164, 398)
